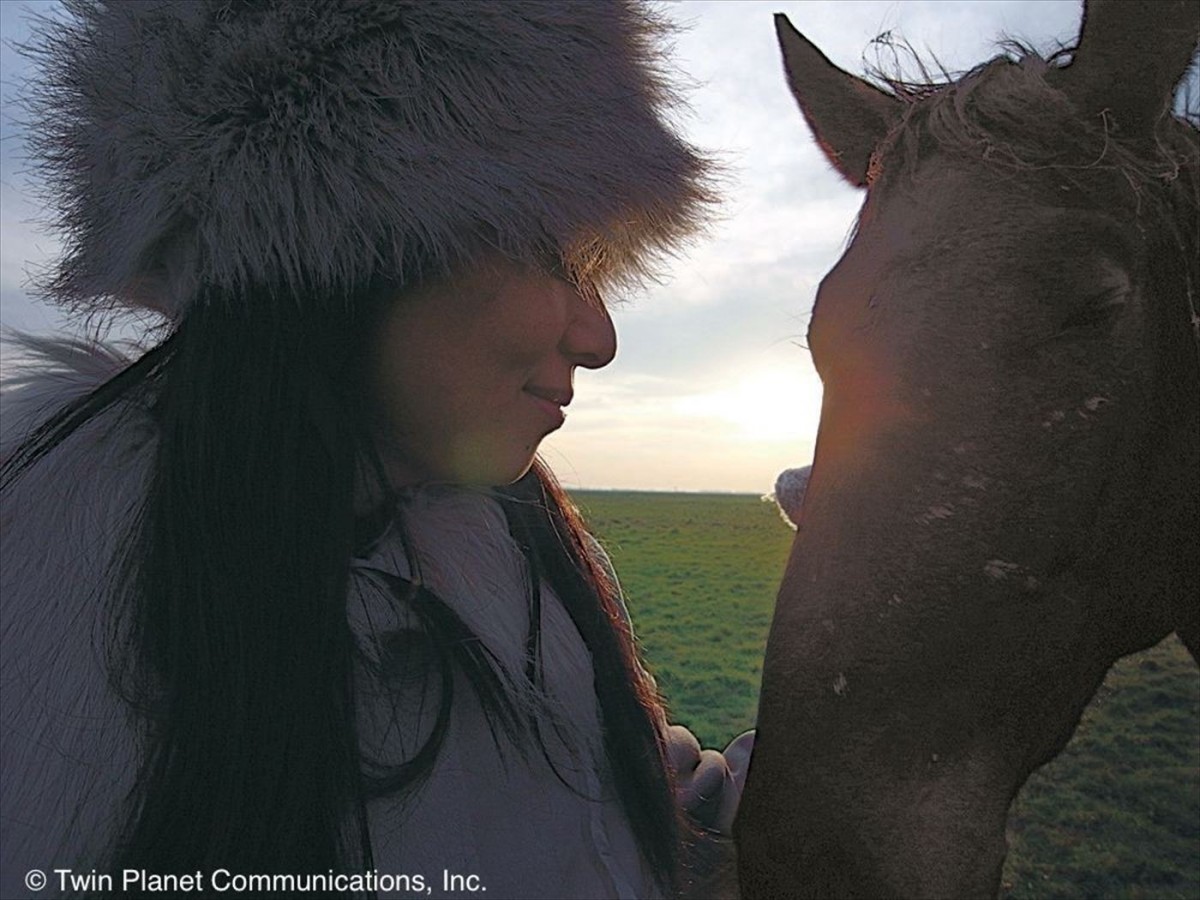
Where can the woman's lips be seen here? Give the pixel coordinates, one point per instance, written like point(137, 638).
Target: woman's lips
point(550, 401)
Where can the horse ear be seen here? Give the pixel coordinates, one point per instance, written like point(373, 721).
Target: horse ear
point(1131, 55)
point(848, 116)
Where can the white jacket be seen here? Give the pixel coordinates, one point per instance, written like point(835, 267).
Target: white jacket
point(68, 747)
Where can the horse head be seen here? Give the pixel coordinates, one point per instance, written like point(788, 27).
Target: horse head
point(1004, 493)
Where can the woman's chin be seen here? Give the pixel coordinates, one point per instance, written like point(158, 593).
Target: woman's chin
point(506, 475)
point(482, 465)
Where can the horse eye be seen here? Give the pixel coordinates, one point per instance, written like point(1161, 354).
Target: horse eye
point(1097, 311)
point(1101, 305)
point(1090, 318)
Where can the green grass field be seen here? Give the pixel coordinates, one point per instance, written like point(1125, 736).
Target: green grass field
point(1117, 814)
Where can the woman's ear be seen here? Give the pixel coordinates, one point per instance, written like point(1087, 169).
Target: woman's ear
point(848, 116)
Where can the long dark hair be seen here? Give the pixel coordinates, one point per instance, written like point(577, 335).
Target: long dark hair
point(229, 636)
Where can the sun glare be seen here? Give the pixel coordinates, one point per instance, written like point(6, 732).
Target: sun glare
point(768, 405)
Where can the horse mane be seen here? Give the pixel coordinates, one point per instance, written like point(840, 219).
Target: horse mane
point(1008, 113)
point(1009, 108)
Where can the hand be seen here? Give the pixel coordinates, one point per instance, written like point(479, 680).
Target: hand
point(708, 783)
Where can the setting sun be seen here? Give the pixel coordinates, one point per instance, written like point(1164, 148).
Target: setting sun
point(769, 404)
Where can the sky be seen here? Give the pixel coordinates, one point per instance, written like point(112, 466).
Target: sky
point(712, 388)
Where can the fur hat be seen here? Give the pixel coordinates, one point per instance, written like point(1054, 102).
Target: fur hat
point(314, 145)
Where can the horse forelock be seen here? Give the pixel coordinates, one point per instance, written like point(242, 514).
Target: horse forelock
point(1007, 114)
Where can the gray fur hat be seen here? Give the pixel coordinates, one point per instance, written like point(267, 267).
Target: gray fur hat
point(300, 145)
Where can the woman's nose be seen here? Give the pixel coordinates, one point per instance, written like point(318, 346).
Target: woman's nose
point(590, 339)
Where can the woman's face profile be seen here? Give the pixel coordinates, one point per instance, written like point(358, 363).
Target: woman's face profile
point(471, 373)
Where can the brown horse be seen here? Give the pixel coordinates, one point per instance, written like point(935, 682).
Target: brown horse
point(1004, 498)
